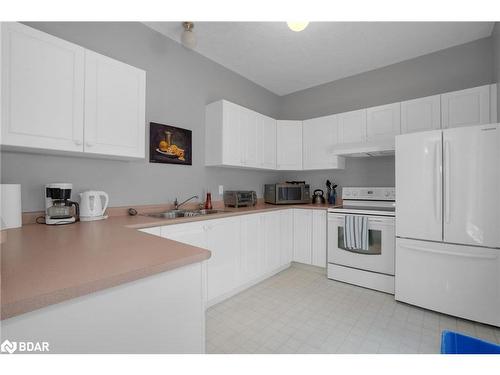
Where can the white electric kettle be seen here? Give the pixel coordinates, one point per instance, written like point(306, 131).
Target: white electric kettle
point(91, 206)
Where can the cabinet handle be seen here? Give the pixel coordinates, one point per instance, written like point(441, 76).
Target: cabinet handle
point(89, 144)
point(78, 142)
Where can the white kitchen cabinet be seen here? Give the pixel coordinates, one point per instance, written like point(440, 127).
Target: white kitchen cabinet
point(223, 240)
point(383, 122)
point(272, 240)
point(289, 145)
point(319, 137)
point(352, 126)
point(78, 100)
point(252, 250)
point(302, 236)
point(467, 107)
point(193, 234)
point(239, 137)
point(266, 142)
point(421, 114)
point(222, 134)
point(286, 241)
point(42, 90)
point(115, 98)
point(318, 239)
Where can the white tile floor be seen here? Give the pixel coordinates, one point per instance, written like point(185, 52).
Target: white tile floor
point(301, 311)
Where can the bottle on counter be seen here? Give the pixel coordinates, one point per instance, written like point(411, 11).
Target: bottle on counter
point(208, 202)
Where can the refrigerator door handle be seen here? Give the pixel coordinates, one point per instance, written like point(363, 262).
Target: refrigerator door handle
point(451, 253)
point(438, 180)
point(447, 181)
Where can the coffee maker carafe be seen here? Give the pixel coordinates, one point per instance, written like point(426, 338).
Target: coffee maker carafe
point(58, 204)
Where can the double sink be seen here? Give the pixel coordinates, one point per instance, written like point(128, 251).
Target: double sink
point(175, 214)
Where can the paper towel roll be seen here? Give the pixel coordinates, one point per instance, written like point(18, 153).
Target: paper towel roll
point(10, 206)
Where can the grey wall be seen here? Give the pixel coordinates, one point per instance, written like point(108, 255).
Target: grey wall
point(496, 61)
point(455, 68)
point(179, 84)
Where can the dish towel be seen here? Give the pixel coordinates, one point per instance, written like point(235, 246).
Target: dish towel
point(356, 232)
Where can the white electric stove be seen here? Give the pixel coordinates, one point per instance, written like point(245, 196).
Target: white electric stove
point(372, 267)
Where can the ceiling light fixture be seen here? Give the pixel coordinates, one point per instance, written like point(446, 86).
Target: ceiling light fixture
point(297, 26)
point(188, 37)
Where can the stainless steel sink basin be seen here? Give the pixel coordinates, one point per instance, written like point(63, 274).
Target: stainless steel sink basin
point(174, 214)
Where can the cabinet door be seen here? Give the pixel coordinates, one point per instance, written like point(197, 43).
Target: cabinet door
point(252, 248)
point(267, 140)
point(223, 240)
point(421, 114)
point(190, 233)
point(352, 126)
point(319, 238)
point(302, 232)
point(289, 144)
point(271, 230)
point(383, 122)
point(115, 100)
point(286, 241)
point(42, 90)
point(320, 135)
point(231, 134)
point(249, 137)
point(466, 107)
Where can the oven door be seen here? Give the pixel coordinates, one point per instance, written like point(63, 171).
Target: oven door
point(381, 243)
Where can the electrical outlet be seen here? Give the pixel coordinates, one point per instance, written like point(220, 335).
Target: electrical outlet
point(221, 189)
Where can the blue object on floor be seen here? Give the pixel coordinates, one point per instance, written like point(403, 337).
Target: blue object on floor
point(457, 343)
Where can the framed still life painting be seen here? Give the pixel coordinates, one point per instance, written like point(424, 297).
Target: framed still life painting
point(169, 144)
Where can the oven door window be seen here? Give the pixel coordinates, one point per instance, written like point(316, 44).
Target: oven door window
point(374, 242)
point(289, 193)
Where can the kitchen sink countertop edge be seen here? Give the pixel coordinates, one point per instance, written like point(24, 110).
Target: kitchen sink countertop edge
point(42, 265)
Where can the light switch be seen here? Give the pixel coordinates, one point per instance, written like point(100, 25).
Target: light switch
point(221, 189)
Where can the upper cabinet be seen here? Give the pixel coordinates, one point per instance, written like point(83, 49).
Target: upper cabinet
point(239, 137)
point(319, 137)
point(289, 145)
point(383, 122)
point(421, 114)
point(42, 90)
point(58, 96)
point(352, 126)
point(266, 145)
point(115, 97)
point(468, 107)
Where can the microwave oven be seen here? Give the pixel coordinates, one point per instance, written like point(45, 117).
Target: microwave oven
point(287, 193)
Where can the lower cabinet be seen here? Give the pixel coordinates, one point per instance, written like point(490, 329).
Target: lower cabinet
point(302, 236)
point(245, 249)
point(286, 229)
point(223, 240)
point(309, 237)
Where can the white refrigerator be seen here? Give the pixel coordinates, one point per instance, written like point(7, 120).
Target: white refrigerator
point(448, 221)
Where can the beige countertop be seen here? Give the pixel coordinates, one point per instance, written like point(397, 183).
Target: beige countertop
point(42, 264)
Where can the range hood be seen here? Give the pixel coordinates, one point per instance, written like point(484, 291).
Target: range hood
point(366, 149)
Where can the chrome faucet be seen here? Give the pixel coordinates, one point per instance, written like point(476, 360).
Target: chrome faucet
point(177, 204)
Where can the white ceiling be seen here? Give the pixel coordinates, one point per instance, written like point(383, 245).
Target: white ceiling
point(283, 61)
